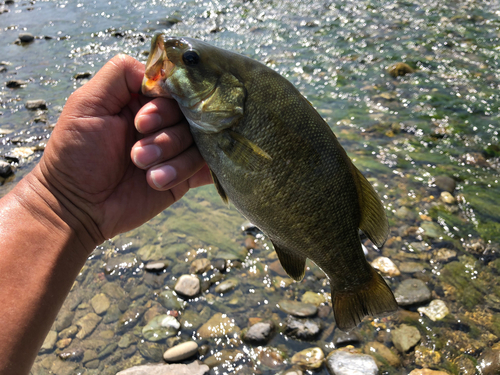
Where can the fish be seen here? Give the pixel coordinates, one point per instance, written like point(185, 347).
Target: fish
point(278, 162)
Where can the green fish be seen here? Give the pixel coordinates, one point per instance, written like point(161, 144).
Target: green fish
point(274, 157)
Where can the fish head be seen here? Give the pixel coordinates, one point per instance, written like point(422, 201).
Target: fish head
point(196, 75)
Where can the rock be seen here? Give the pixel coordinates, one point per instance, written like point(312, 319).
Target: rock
point(126, 340)
point(427, 357)
point(188, 285)
point(130, 318)
point(100, 303)
point(271, 358)
point(447, 198)
point(73, 355)
point(200, 266)
point(181, 352)
point(305, 329)
point(226, 286)
point(426, 371)
point(296, 308)
point(161, 327)
point(436, 310)
point(310, 359)
point(405, 337)
point(411, 267)
point(63, 343)
point(431, 229)
point(112, 315)
point(465, 365)
point(49, 342)
point(87, 324)
point(379, 350)
point(224, 356)
point(278, 268)
point(445, 183)
point(386, 266)
point(400, 69)
point(64, 319)
point(341, 338)
point(26, 37)
point(405, 213)
point(489, 362)
point(195, 368)
point(69, 332)
point(60, 367)
point(119, 265)
point(170, 301)
point(156, 266)
point(138, 291)
point(82, 75)
point(151, 350)
point(258, 333)
point(15, 83)
point(217, 326)
point(33, 105)
point(312, 298)
point(114, 290)
point(340, 362)
point(412, 291)
point(5, 169)
point(444, 255)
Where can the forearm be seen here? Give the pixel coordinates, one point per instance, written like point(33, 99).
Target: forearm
point(41, 253)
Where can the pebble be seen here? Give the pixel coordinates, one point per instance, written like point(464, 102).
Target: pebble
point(217, 326)
point(126, 340)
point(411, 267)
point(315, 299)
point(431, 229)
point(489, 362)
point(258, 333)
point(200, 266)
point(181, 352)
point(412, 291)
point(426, 371)
point(341, 338)
point(310, 359)
point(386, 266)
point(188, 285)
point(380, 349)
point(436, 310)
point(444, 255)
point(69, 332)
point(405, 213)
point(340, 362)
point(427, 357)
point(63, 343)
point(14, 83)
point(87, 324)
point(224, 356)
point(447, 198)
point(33, 105)
point(150, 350)
point(82, 75)
point(156, 266)
point(226, 286)
point(5, 169)
point(405, 337)
point(297, 308)
point(445, 183)
point(49, 342)
point(304, 329)
point(130, 318)
point(100, 303)
point(161, 327)
point(26, 37)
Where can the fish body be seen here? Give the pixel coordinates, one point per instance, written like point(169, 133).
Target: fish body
point(274, 157)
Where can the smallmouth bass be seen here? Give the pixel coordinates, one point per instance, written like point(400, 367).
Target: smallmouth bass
point(274, 157)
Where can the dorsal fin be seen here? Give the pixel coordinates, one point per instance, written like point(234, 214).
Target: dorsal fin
point(293, 264)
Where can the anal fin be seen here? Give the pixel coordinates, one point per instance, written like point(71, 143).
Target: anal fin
point(293, 264)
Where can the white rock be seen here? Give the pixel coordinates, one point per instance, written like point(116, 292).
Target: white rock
point(436, 310)
point(386, 266)
point(343, 363)
point(181, 352)
point(188, 285)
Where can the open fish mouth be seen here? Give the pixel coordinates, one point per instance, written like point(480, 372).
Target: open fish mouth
point(158, 69)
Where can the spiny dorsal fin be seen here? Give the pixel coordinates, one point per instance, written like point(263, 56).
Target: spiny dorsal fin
point(219, 188)
point(243, 152)
point(293, 264)
point(374, 298)
point(373, 219)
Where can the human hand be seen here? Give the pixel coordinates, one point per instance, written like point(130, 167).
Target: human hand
point(87, 164)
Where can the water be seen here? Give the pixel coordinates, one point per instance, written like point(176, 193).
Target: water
point(401, 132)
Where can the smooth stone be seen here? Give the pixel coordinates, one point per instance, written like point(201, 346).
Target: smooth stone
point(64, 320)
point(49, 342)
point(195, 368)
point(87, 324)
point(155, 266)
point(412, 291)
point(138, 291)
point(60, 367)
point(151, 350)
point(436, 310)
point(82, 75)
point(14, 83)
point(489, 362)
point(258, 333)
point(69, 332)
point(226, 286)
point(400, 69)
point(405, 337)
point(161, 327)
point(100, 303)
point(340, 362)
point(26, 37)
point(218, 325)
point(181, 352)
point(341, 338)
point(426, 371)
point(305, 329)
point(119, 265)
point(271, 358)
point(193, 320)
point(419, 246)
point(427, 357)
point(386, 266)
point(447, 198)
point(112, 315)
point(188, 285)
point(312, 298)
point(405, 213)
point(297, 308)
point(130, 318)
point(126, 340)
point(63, 343)
point(170, 301)
point(73, 355)
point(310, 359)
point(377, 348)
point(36, 104)
point(445, 183)
point(444, 255)
point(411, 267)
point(431, 229)
point(200, 266)
point(113, 290)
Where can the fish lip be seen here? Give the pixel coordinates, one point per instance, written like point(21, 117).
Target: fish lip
point(158, 69)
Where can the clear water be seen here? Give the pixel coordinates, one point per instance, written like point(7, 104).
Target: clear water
point(401, 132)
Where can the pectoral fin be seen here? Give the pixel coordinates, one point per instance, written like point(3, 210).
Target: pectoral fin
point(219, 188)
point(243, 152)
point(293, 264)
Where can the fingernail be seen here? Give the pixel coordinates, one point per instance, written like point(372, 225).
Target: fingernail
point(163, 175)
point(146, 155)
point(147, 123)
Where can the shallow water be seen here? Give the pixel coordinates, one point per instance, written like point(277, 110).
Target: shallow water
point(401, 133)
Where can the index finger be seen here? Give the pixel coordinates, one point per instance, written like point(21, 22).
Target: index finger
point(159, 113)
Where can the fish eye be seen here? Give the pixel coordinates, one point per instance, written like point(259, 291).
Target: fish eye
point(190, 58)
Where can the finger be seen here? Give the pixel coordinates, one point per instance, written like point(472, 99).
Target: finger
point(157, 114)
point(200, 178)
point(166, 175)
point(161, 146)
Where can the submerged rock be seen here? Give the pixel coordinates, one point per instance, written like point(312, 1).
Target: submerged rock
point(436, 310)
point(296, 308)
point(226, 286)
point(445, 183)
point(489, 362)
point(340, 362)
point(382, 354)
point(181, 352)
point(405, 337)
point(304, 329)
point(100, 303)
point(412, 291)
point(400, 69)
point(200, 266)
point(161, 327)
point(217, 326)
point(188, 285)
point(49, 342)
point(259, 333)
point(87, 324)
point(386, 266)
point(36, 104)
point(310, 359)
point(341, 338)
point(26, 37)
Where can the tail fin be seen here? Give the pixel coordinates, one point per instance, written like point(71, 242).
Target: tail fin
point(374, 298)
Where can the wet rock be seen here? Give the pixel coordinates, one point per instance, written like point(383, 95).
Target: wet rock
point(224, 356)
point(431, 229)
point(169, 300)
point(304, 329)
point(383, 355)
point(138, 291)
point(181, 352)
point(112, 315)
point(465, 365)
point(82, 75)
point(119, 265)
point(310, 359)
point(73, 355)
point(33, 105)
point(340, 362)
point(114, 290)
point(400, 69)
point(49, 342)
point(100, 303)
point(489, 362)
point(426, 371)
point(411, 267)
point(341, 338)
point(405, 337)
point(296, 308)
point(436, 310)
point(195, 368)
point(60, 367)
point(444, 255)
point(427, 357)
point(200, 266)
point(64, 320)
point(217, 326)
point(69, 332)
point(5, 169)
point(156, 266)
point(63, 343)
point(188, 285)
point(160, 328)
point(445, 183)
point(87, 324)
point(226, 286)
point(26, 37)
point(412, 291)
point(15, 83)
point(404, 213)
point(258, 333)
point(278, 268)
point(126, 340)
point(271, 358)
point(130, 318)
point(386, 266)
point(312, 298)
point(151, 350)
point(447, 198)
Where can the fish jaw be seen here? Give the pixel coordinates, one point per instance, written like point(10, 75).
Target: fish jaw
point(158, 69)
